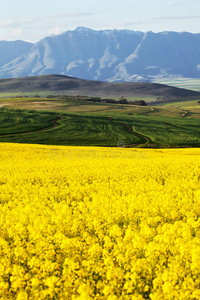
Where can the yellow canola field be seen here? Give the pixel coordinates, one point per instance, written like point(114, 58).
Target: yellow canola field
point(99, 223)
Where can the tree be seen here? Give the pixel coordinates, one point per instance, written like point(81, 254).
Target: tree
point(140, 102)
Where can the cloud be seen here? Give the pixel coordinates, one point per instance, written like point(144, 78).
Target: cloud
point(128, 24)
point(70, 15)
point(177, 18)
point(55, 21)
point(177, 3)
point(76, 14)
point(13, 23)
point(16, 33)
point(8, 23)
point(55, 31)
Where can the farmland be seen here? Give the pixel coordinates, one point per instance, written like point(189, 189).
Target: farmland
point(82, 123)
point(88, 211)
point(99, 223)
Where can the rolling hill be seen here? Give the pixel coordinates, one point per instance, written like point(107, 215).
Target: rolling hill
point(75, 86)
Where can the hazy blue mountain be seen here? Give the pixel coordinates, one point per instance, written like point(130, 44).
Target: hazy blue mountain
point(12, 50)
point(109, 55)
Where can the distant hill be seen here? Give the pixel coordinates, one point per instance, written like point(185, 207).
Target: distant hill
point(75, 86)
point(105, 55)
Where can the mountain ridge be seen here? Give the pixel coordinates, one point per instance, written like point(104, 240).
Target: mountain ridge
point(110, 55)
point(10, 50)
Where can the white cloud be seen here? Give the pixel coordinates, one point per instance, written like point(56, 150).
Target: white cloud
point(8, 23)
point(13, 23)
point(34, 28)
point(16, 33)
point(177, 18)
point(73, 14)
point(56, 30)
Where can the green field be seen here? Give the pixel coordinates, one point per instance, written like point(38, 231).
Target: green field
point(174, 109)
point(72, 129)
point(29, 120)
point(20, 121)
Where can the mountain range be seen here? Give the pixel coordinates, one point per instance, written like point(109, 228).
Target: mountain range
point(105, 55)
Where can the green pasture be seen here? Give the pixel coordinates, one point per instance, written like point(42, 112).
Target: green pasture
point(79, 106)
point(98, 129)
point(19, 121)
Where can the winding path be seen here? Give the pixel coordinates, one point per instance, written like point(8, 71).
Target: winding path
point(148, 140)
point(54, 122)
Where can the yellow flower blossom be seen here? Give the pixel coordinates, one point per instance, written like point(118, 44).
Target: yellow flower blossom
point(99, 223)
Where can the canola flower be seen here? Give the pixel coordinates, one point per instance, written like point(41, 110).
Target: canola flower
point(99, 223)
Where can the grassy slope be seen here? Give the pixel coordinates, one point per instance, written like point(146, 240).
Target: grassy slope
point(76, 130)
point(75, 86)
point(18, 121)
point(169, 131)
point(78, 106)
point(98, 129)
point(87, 123)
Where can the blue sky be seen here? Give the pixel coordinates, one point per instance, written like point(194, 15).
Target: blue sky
point(31, 20)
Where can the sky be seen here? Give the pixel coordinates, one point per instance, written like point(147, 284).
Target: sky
point(32, 20)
